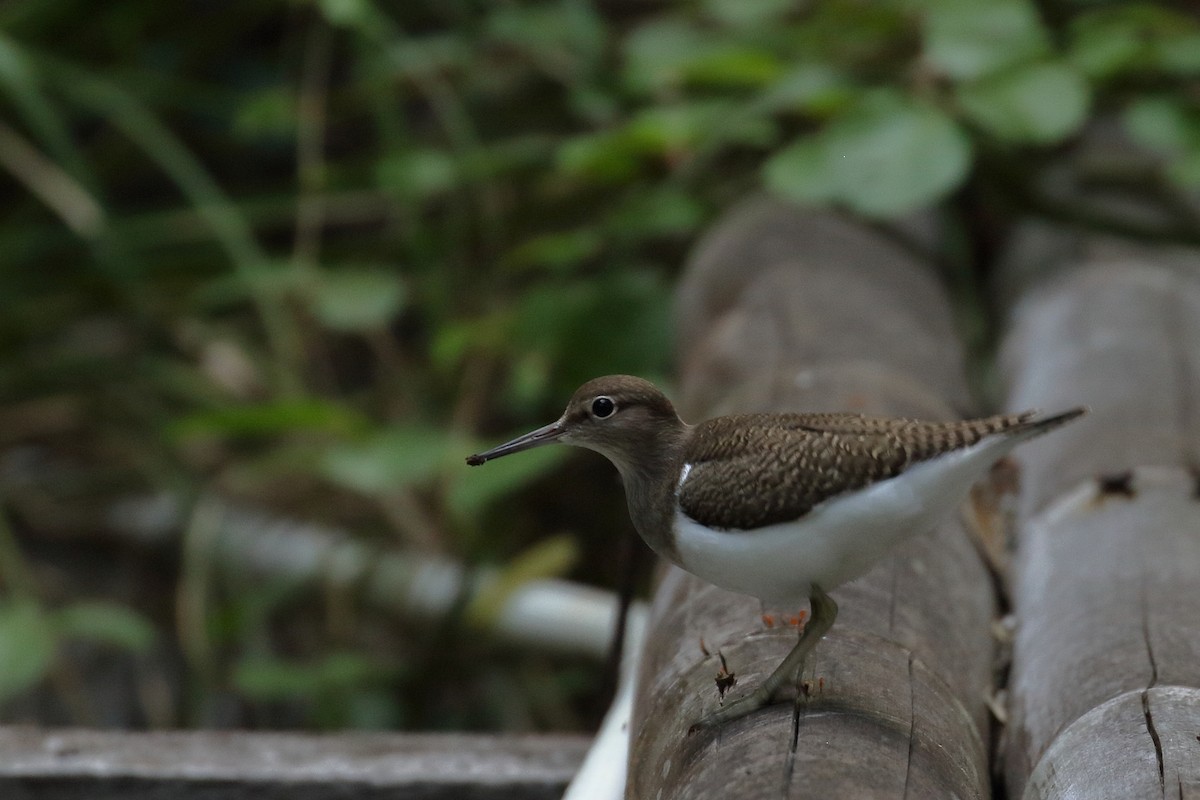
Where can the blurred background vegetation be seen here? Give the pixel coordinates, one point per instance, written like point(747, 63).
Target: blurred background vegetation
point(304, 256)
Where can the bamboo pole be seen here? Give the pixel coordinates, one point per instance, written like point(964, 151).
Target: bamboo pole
point(782, 309)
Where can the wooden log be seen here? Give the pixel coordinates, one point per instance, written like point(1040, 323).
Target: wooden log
point(97, 765)
point(1105, 693)
point(783, 309)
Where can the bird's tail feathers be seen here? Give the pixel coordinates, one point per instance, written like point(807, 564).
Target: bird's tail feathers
point(1031, 425)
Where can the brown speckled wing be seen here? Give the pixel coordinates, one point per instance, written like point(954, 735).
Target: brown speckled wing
point(754, 470)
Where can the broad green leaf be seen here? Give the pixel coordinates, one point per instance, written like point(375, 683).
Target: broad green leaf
point(27, 647)
point(1037, 103)
point(885, 156)
point(668, 53)
point(392, 458)
point(1133, 37)
point(968, 39)
point(108, 623)
point(1172, 128)
point(1179, 54)
point(815, 88)
point(659, 53)
point(356, 300)
point(1102, 45)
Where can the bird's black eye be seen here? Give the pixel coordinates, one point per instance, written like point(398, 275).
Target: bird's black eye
point(603, 407)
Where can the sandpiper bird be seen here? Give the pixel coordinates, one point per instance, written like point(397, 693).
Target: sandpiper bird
point(782, 507)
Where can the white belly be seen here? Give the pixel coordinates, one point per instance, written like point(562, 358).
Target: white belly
point(838, 540)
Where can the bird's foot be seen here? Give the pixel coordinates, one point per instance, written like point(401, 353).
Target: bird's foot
point(796, 620)
point(735, 710)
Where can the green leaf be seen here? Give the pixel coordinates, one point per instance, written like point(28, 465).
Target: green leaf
point(557, 252)
point(268, 112)
point(655, 211)
point(417, 173)
point(564, 32)
point(1179, 54)
point(814, 88)
point(393, 457)
point(356, 300)
point(609, 156)
point(346, 13)
point(735, 65)
point(455, 339)
point(659, 53)
point(419, 57)
point(968, 39)
point(1037, 103)
point(669, 129)
point(28, 642)
point(1135, 37)
point(268, 678)
point(668, 53)
point(885, 156)
point(1172, 128)
point(748, 13)
point(108, 623)
point(666, 132)
point(617, 323)
point(267, 419)
point(549, 558)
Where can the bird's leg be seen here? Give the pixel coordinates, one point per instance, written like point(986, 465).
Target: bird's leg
point(824, 612)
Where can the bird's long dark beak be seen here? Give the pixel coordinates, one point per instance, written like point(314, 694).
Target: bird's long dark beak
point(547, 434)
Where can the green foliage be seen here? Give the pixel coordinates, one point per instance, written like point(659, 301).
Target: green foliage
point(27, 645)
point(313, 254)
point(343, 688)
point(392, 458)
point(31, 638)
point(884, 156)
point(1171, 126)
point(968, 39)
point(1037, 103)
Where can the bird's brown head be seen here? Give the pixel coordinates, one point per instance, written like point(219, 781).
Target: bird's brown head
point(624, 418)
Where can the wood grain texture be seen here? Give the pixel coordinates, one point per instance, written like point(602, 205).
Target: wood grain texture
point(97, 765)
point(1103, 698)
point(1121, 337)
point(907, 665)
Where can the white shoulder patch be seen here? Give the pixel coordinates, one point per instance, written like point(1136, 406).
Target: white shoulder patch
point(683, 476)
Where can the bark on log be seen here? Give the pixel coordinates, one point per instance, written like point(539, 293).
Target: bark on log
point(195, 765)
point(1105, 695)
point(782, 309)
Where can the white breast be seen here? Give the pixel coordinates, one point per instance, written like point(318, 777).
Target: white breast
point(838, 540)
